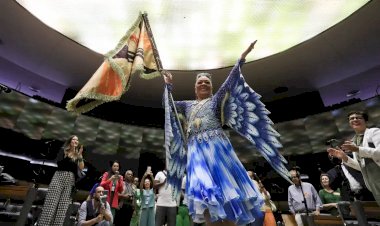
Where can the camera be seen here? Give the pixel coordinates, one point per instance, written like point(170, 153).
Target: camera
point(334, 143)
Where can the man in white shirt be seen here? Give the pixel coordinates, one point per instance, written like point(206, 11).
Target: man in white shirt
point(166, 207)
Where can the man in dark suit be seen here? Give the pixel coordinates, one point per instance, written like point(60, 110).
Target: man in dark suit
point(350, 182)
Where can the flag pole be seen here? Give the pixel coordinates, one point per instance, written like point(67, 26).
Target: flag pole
point(159, 65)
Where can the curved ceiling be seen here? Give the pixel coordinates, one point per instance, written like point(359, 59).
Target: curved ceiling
point(37, 60)
point(195, 35)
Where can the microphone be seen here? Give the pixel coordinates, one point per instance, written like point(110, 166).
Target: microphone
point(333, 143)
point(277, 188)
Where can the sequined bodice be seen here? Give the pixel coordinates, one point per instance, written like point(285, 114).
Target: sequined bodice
point(201, 117)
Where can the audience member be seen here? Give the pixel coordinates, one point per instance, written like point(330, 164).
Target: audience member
point(259, 221)
point(166, 207)
point(329, 197)
point(349, 180)
point(95, 211)
point(113, 183)
point(136, 203)
point(124, 214)
point(268, 206)
point(365, 146)
point(183, 218)
point(302, 197)
point(147, 214)
point(59, 193)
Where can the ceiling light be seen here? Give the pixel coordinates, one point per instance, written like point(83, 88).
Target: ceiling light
point(34, 89)
point(352, 93)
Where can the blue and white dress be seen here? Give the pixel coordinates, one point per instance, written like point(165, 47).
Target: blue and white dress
point(216, 179)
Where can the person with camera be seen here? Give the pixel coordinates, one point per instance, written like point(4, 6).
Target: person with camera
point(124, 214)
point(365, 146)
point(113, 182)
point(147, 213)
point(95, 211)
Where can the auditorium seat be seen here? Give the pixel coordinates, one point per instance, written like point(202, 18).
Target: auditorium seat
point(361, 213)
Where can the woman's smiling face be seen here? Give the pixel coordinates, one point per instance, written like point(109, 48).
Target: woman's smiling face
point(203, 88)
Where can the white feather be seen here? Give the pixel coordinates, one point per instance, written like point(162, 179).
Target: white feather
point(232, 121)
point(252, 130)
point(250, 106)
point(244, 96)
point(265, 147)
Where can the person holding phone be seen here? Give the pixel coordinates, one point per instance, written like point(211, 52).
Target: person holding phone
point(112, 181)
point(94, 211)
point(147, 213)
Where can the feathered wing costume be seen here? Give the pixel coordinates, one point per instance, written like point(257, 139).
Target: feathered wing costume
point(216, 179)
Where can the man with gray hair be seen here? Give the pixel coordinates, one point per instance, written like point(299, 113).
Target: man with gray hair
point(302, 197)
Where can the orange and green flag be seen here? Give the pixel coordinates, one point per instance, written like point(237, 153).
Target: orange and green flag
point(133, 55)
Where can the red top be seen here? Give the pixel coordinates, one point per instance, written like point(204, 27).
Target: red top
point(107, 185)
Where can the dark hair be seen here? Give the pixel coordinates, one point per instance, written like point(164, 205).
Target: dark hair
point(151, 182)
point(362, 113)
point(323, 174)
point(297, 170)
point(110, 172)
point(320, 178)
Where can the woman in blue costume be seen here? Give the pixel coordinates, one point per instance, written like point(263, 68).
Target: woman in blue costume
point(218, 188)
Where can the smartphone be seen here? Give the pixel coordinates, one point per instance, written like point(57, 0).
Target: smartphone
point(149, 169)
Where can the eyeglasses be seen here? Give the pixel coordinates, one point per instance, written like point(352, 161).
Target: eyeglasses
point(355, 118)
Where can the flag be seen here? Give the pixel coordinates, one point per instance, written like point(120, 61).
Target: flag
point(132, 56)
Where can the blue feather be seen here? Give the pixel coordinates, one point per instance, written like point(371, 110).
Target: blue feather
point(246, 114)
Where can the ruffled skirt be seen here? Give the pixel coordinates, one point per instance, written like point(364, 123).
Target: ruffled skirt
point(218, 182)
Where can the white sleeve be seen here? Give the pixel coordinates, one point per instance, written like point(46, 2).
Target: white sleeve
point(370, 152)
point(353, 163)
point(183, 185)
point(159, 177)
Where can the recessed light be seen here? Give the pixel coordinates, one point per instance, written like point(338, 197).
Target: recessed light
point(34, 89)
point(352, 93)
